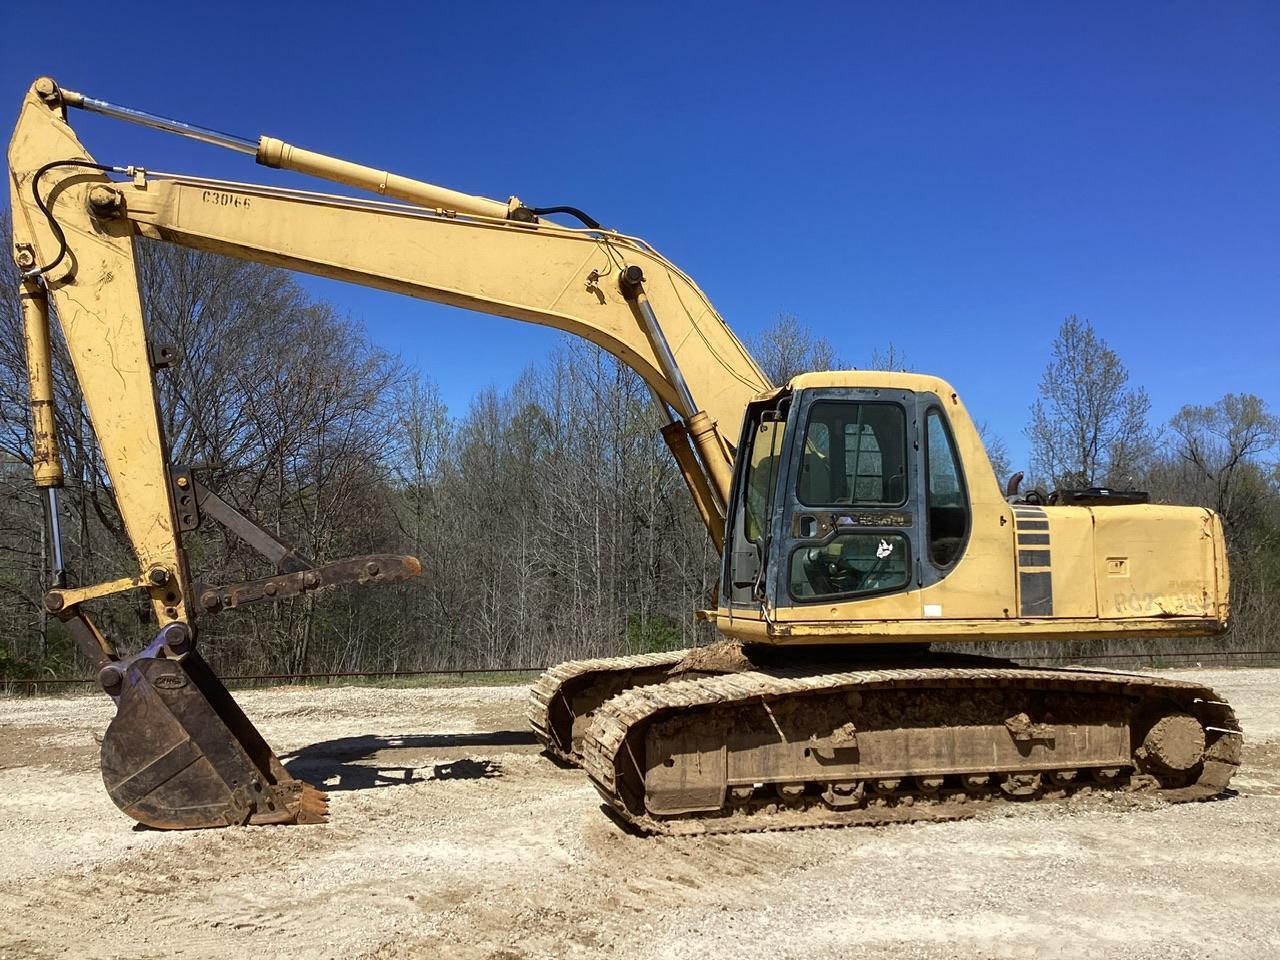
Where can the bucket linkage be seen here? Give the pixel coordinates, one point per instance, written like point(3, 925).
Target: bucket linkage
point(180, 754)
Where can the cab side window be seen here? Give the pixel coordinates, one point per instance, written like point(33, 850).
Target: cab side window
point(762, 478)
point(945, 493)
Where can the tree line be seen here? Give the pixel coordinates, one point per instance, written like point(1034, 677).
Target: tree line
point(549, 516)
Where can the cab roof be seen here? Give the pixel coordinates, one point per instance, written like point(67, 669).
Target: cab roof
point(889, 379)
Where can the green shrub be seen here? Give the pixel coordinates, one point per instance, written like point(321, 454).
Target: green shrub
point(652, 634)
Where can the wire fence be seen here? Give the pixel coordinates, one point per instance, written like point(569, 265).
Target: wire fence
point(276, 678)
point(1254, 658)
point(1212, 656)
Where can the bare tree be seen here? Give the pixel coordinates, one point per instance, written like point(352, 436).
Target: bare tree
point(997, 451)
point(1223, 456)
point(788, 347)
point(1226, 453)
point(892, 358)
point(1088, 427)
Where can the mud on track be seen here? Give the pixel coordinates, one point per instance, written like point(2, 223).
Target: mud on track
point(450, 837)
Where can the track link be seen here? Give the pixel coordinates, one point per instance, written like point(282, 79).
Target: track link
point(1121, 709)
point(564, 697)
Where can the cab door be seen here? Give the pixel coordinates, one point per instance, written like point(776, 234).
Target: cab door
point(849, 528)
point(754, 502)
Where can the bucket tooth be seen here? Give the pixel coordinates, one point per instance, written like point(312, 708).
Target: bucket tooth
point(180, 754)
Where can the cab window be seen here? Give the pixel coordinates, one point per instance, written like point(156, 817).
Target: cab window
point(945, 494)
point(851, 564)
point(762, 478)
point(854, 454)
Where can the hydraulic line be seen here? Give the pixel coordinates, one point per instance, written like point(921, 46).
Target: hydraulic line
point(48, 214)
point(590, 222)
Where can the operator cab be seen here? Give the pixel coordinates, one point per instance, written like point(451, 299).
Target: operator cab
point(843, 493)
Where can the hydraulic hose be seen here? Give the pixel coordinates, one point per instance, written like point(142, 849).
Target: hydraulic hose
point(54, 226)
point(571, 211)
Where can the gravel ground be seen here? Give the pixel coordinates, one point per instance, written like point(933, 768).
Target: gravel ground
point(450, 837)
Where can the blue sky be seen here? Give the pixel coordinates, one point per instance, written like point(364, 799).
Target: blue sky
point(956, 178)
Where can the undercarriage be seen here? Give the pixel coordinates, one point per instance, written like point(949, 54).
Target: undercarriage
point(886, 740)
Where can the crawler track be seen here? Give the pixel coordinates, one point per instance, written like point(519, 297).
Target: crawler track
point(564, 697)
point(794, 749)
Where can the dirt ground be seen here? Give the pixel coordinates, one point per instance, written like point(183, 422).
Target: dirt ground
point(451, 837)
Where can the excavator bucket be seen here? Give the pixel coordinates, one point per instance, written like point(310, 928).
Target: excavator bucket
point(180, 754)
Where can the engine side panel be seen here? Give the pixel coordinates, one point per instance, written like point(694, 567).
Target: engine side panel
point(1154, 561)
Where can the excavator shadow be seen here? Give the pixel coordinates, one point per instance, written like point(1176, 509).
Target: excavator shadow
point(343, 763)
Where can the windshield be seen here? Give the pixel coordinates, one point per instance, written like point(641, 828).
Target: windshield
point(854, 453)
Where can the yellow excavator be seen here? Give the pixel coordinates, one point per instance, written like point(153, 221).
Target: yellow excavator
point(856, 512)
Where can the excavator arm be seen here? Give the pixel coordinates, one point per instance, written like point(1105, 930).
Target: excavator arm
point(180, 753)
